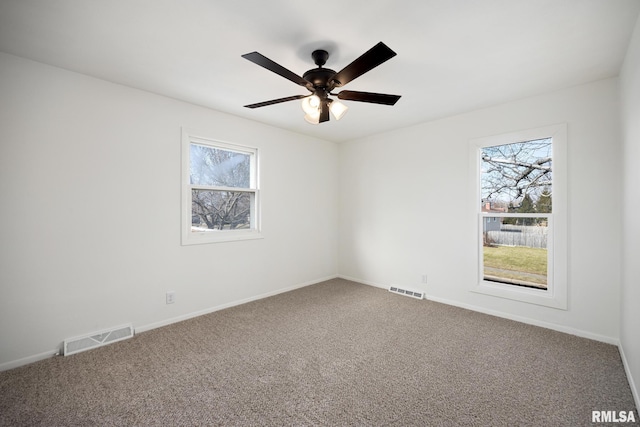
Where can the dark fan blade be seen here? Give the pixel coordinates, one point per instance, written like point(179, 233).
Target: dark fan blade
point(276, 101)
point(366, 62)
point(324, 111)
point(375, 98)
point(265, 62)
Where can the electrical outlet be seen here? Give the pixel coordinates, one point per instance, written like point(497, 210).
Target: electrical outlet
point(171, 297)
point(424, 278)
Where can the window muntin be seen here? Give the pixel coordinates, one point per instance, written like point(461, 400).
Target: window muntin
point(545, 207)
point(220, 191)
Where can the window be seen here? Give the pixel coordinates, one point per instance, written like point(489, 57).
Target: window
point(520, 193)
point(219, 191)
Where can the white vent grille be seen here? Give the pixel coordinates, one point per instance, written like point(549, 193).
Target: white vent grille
point(407, 292)
point(97, 339)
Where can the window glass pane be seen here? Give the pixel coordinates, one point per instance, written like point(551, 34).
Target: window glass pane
point(517, 177)
point(218, 167)
point(515, 250)
point(220, 210)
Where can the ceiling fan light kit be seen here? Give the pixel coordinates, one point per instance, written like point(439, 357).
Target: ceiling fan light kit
point(312, 104)
point(338, 109)
point(321, 81)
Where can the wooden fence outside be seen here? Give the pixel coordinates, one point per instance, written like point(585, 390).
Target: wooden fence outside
point(518, 235)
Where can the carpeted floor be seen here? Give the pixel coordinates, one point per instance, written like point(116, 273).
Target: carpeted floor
point(337, 354)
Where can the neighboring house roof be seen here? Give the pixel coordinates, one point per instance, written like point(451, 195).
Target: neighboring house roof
point(488, 207)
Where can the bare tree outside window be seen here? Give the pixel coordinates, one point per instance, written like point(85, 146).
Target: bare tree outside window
point(513, 173)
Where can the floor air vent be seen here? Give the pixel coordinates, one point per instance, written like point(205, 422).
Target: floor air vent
point(97, 339)
point(407, 292)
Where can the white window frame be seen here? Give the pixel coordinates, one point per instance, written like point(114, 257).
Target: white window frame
point(191, 238)
point(555, 295)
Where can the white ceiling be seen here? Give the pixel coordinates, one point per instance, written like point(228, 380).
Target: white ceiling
point(453, 55)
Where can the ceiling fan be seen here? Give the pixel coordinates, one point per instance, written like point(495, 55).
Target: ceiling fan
point(321, 81)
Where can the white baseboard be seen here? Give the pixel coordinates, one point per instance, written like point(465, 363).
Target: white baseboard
point(28, 360)
point(529, 321)
point(632, 384)
point(35, 358)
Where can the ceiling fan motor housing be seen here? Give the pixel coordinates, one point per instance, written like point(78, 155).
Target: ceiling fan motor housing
point(321, 79)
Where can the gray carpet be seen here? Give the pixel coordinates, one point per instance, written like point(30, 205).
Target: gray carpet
point(337, 353)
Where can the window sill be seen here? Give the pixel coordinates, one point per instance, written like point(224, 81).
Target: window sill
point(219, 237)
point(542, 297)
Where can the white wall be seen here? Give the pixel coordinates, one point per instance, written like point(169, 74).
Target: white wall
point(407, 209)
point(630, 313)
point(90, 210)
